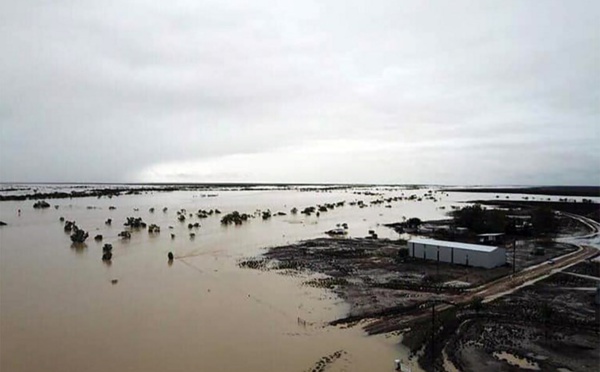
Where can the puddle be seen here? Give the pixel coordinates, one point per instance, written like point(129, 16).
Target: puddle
point(516, 361)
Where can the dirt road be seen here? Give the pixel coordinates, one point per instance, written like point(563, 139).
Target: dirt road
point(502, 286)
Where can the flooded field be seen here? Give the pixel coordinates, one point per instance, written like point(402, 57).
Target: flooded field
point(63, 308)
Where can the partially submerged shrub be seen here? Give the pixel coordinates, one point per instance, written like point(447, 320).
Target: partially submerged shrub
point(235, 217)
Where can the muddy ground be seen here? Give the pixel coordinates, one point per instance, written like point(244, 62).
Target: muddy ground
point(551, 325)
point(379, 283)
point(590, 268)
point(370, 274)
point(373, 278)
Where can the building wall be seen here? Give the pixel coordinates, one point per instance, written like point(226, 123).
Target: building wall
point(458, 255)
point(499, 257)
point(463, 257)
point(446, 255)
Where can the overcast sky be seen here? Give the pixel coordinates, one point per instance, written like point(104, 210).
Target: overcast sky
point(455, 92)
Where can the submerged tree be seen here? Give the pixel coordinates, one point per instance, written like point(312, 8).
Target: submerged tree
point(235, 218)
point(413, 222)
point(544, 221)
point(79, 236)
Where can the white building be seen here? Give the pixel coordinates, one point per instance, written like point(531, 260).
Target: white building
point(457, 253)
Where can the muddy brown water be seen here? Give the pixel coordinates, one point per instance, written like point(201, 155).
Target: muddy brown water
point(60, 311)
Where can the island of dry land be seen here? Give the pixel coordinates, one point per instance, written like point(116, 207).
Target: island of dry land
point(540, 314)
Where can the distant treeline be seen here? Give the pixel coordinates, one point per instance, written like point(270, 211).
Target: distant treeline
point(541, 190)
point(590, 210)
point(81, 194)
point(117, 191)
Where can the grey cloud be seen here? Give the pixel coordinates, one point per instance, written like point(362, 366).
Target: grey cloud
point(99, 91)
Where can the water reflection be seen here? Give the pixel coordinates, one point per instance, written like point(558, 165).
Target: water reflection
point(79, 247)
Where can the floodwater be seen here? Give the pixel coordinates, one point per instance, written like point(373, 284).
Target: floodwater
point(61, 311)
point(514, 360)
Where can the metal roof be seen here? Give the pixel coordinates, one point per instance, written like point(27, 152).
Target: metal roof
point(456, 245)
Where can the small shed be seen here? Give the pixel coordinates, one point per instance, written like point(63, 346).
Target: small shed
point(490, 238)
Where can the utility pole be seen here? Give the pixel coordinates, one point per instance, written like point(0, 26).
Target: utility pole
point(433, 336)
point(437, 265)
point(433, 327)
point(514, 255)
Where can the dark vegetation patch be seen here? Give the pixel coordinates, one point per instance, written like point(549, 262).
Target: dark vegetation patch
point(478, 220)
point(41, 204)
point(590, 210)
point(590, 268)
point(101, 192)
point(544, 190)
point(572, 281)
point(235, 218)
point(323, 363)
